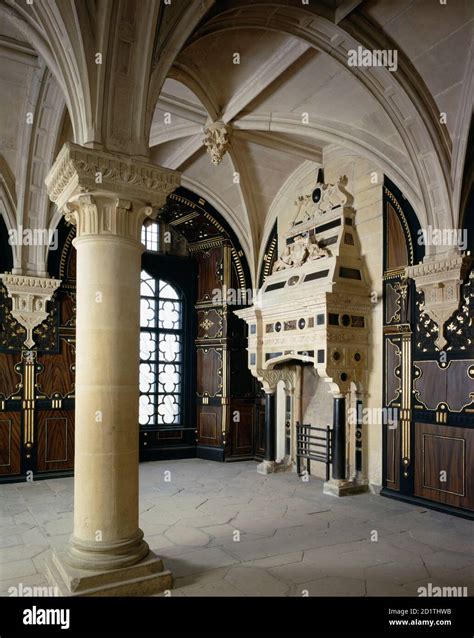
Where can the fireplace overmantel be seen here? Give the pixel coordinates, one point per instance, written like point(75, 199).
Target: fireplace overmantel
point(315, 306)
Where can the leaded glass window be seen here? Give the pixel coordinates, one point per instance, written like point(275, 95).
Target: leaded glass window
point(161, 353)
point(151, 237)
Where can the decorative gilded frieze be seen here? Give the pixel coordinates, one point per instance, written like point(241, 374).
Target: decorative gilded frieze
point(426, 329)
point(459, 328)
point(29, 297)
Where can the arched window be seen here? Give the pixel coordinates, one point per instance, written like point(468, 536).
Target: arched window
point(161, 353)
point(151, 237)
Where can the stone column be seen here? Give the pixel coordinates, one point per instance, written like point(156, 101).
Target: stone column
point(270, 423)
point(339, 438)
point(267, 466)
point(358, 439)
point(107, 197)
point(340, 485)
point(270, 379)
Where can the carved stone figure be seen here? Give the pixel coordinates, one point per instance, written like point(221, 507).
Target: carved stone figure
point(284, 261)
point(324, 199)
point(315, 251)
point(299, 251)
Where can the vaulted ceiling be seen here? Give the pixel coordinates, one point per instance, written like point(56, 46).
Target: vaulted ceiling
point(290, 99)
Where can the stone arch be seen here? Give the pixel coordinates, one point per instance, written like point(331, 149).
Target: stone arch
point(8, 206)
point(357, 146)
point(167, 50)
point(49, 116)
point(412, 118)
point(219, 204)
point(54, 43)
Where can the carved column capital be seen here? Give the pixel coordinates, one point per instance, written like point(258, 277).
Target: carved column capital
point(105, 193)
point(29, 297)
point(107, 215)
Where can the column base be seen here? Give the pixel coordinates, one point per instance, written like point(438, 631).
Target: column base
point(270, 467)
point(142, 579)
point(266, 467)
point(338, 487)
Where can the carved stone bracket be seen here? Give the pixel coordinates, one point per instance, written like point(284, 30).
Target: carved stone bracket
point(440, 280)
point(29, 297)
point(270, 378)
point(216, 140)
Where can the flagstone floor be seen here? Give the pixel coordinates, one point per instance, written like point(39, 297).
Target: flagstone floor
point(224, 530)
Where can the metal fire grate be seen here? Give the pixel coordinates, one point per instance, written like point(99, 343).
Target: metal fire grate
point(310, 445)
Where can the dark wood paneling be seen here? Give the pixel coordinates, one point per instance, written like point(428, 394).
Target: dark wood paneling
point(211, 324)
point(459, 385)
point(72, 265)
point(392, 308)
point(55, 449)
point(209, 371)
point(446, 449)
point(453, 384)
point(209, 424)
point(397, 253)
point(392, 362)
point(432, 376)
point(259, 436)
point(10, 432)
point(392, 468)
point(57, 376)
point(209, 279)
point(241, 428)
point(68, 308)
point(9, 379)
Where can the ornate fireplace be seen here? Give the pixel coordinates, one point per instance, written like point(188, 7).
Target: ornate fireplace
point(314, 309)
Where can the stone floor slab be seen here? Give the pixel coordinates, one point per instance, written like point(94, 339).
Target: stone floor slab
point(292, 536)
